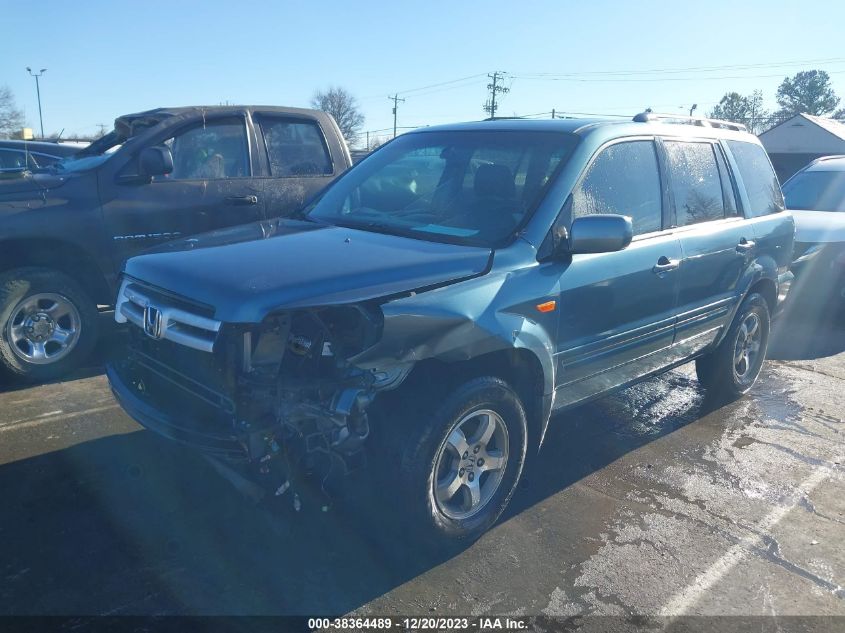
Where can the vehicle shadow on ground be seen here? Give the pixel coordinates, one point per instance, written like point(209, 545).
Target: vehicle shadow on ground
point(133, 524)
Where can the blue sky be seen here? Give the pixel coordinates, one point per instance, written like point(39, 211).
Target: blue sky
point(109, 58)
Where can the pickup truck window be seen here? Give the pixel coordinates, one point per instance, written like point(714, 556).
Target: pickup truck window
point(625, 179)
point(471, 188)
point(213, 150)
point(294, 148)
point(694, 182)
point(759, 177)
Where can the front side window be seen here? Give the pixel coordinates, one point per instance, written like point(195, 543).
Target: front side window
point(816, 191)
point(623, 179)
point(759, 178)
point(295, 148)
point(694, 182)
point(208, 151)
point(469, 187)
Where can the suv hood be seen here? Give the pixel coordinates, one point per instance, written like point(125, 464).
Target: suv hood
point(246, 272)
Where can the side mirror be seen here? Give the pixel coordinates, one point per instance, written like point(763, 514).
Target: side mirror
point(155, 161)
point(600, 233)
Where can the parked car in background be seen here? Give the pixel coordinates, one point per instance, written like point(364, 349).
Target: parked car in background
point(820, 186)
point(67, 228)
point(19, 156)
point(439, 300)
point(816, 197)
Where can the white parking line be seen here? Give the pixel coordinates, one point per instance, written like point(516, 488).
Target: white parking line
point(684, 600)
point(55, 416)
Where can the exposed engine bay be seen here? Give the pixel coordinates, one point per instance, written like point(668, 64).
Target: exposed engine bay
point(281, 397)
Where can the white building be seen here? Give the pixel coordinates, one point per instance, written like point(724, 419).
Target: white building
point(801, 139)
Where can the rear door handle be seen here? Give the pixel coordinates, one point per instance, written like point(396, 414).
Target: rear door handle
point(664, 265)
point(239, 200)
point(745, 245)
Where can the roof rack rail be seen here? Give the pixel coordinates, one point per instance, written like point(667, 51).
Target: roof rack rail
point(645, 117)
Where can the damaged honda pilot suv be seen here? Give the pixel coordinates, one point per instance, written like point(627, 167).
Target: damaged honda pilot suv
point(437, 303)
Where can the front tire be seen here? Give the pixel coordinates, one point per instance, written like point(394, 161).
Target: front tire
point(733, 367)
point(460, 461)
point(48, 323)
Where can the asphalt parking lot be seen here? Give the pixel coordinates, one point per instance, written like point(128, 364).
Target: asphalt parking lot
point(651, 501)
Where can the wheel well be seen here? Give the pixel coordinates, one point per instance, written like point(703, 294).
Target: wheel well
point(767, 289)
point(520, 368)
point(61, 256)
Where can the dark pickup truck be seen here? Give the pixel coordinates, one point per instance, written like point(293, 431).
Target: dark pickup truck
point(428, 311)
point(65, 230)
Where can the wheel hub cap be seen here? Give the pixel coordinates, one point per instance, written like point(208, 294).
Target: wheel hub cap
point(747, 348)
point(43, 328)
point(470, 464)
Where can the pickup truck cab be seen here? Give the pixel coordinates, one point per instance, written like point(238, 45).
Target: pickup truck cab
point(66, 229)
point(432, 308)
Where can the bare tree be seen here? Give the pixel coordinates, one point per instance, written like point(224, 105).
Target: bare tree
point(340, 103)
point(741, 109)
point(11, 117)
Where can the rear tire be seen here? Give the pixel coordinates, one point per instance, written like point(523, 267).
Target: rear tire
point(48, 323)
point(460, 459)
point(733, 367)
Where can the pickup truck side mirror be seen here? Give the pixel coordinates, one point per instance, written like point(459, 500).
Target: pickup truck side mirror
point(155, 161)
point(599, 233)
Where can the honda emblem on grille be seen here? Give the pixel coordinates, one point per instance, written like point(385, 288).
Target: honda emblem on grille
point(153, 322)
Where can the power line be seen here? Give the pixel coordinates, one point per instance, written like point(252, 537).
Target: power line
point(659, 79)
point(687, 69)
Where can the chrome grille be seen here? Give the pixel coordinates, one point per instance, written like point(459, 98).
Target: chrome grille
point(160, 319)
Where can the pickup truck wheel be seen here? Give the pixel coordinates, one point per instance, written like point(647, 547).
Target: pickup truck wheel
point(48, 324)
point(733, 367)
point(460, 461)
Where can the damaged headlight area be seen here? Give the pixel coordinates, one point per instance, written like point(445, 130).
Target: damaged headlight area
point(281, 397)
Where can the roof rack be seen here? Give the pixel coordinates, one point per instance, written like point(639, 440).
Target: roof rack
point(646, 117)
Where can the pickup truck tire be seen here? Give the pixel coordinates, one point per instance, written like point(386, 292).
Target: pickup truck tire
point(732, 368)
point(48, 323)
point(446, 451)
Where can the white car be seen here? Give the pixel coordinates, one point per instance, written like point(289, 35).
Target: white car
point(816, 197)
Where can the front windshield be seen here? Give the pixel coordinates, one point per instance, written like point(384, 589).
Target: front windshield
point(816, 191)
point(472, 188)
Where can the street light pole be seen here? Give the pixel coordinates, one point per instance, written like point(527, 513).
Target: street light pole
point(38, 92)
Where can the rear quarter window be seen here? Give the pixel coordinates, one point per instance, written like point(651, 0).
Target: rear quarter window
point(758, 176)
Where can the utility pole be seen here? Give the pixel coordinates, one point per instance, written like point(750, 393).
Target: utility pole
point(395, 99)
point(495, 88)
point(692, 109)
point(38, 92)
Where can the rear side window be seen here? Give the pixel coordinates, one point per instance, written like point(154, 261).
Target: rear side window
point(624, 179)
point(695, 183)
point(294, 147)
point(758, 176)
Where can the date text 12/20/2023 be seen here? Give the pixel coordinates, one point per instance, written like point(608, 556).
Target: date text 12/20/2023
point(419, 624)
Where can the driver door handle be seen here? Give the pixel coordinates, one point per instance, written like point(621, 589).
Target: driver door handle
point(745, 245)
point(664, 265)
point(241, 200)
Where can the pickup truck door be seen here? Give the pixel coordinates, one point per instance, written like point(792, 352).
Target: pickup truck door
point(617, 310)
point(297, 160)
point(716, 241)
point(211, 186)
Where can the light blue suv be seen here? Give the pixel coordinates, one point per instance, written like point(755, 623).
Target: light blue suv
point(431, 308)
